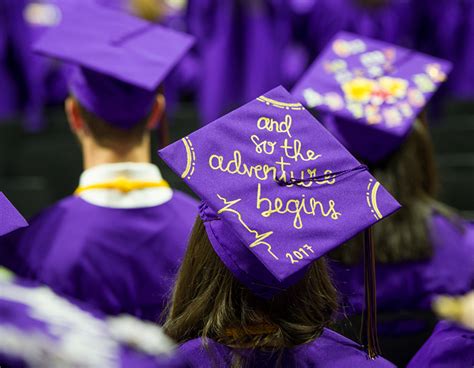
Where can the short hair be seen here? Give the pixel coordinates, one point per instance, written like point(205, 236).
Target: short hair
point(110, 136)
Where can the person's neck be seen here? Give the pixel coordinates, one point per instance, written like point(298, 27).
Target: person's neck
point(94, 155)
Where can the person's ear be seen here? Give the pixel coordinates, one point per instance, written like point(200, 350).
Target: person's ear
point(76, 123)
point(157, 112)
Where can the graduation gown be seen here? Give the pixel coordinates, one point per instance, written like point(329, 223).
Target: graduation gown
point(451, 37)
point(239, 49)
point(20, 73)
point(413, 285)
point(450, 346)
point(119, 260)
point(329, 350)
point(40, 329)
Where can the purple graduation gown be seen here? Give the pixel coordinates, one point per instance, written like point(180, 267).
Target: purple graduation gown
point(32, 336)
point(116, 260)
point(239, 50)
point(450, 346)
point(451, 37)
point(329, 350)
point(412, 286)
point(20, 74)
point(394, 22)
point(52, 73)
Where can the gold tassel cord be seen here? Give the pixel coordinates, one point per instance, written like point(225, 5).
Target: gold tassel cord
point(123, 185)
point(370, 314)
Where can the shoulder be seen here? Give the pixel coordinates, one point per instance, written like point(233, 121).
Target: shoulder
point(452, 237)
point(182, 209)
point(455, 226)
point(340, 351)
point(184, 199)
point(448, 343)
point(198, 353)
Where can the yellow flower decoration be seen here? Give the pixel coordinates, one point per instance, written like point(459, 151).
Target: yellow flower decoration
point(359, 89)
point(394, 87)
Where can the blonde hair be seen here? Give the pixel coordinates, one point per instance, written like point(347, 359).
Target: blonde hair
point(458, 309)
point(152, 10)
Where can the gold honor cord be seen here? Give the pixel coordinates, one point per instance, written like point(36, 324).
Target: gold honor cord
point(123, 185)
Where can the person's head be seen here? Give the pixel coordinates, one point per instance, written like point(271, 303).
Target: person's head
point(208, 301)
point(117, 64)
point(278, 193)
point(90, 129)
point(410, 175)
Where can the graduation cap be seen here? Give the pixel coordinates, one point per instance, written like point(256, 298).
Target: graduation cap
point(10, 218)
point(119, 60)
point(370, 92)
point(278, 190)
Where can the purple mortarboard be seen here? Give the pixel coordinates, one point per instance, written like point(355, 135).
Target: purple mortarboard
point(120, 60)
point(10, 218)
point(278, 190)
point(370, 92)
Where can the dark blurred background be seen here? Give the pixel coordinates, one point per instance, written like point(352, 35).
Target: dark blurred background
point(246, 47)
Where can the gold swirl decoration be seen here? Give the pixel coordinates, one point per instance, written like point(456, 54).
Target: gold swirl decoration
point(371, 196)
point(279, 104)
point(190, 158)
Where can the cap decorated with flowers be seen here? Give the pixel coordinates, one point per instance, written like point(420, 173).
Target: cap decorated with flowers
point(278, 190)
point(370, 91)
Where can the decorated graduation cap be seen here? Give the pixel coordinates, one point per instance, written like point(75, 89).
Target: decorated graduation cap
point(278, 190)
point(370, 92)
point(119, 60)
point(10, 218)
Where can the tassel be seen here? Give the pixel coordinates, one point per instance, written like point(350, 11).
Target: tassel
point(370, 314)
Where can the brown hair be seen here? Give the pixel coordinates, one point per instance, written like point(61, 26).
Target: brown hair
point(110, 136)
point(410, 176)
point(209, 302)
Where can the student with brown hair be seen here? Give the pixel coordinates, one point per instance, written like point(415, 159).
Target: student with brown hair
point(383, 90)
point(278, 193)
point(115, 244)
point(425, 249)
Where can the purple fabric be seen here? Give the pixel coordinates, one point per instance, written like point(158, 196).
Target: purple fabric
point(289, 192)
point(183, 78)
point(116, 260)
point(10, 218)
point(32, 336)
point(394, 22)
point(119, 63)
point(41, 16)
point(21, 91)
point(450, 346)
point(451, 36)
point(414, 285)
point(240, 48)
point(370, 92)
point(329, 350)
point(92, 90)
point(9, 92)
